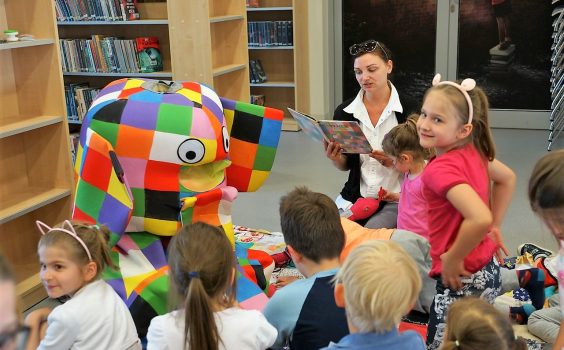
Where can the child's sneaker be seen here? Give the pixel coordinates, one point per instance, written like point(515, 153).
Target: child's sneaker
point(535, 250)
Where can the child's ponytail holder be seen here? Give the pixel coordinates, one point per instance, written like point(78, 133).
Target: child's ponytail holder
point(193, 274)
point(466, 85)
point(45, 229)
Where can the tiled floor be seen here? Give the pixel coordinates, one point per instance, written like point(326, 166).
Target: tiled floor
point(301, 161)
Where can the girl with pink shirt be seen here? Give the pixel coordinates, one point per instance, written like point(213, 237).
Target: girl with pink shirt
point(401, 144)
point(464, 210)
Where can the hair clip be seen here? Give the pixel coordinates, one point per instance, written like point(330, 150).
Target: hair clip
point(45, 229)
point(194, 274)
point(456, 343)
point(466, 85)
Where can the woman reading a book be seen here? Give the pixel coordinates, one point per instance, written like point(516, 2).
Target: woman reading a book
point(377, 108)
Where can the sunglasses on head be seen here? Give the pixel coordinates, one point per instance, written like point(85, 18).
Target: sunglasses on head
point(366, 47)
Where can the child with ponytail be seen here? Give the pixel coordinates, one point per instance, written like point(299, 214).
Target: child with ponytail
point(401, 144)
point(72, 257)
point(467, 192)
point(202, 273)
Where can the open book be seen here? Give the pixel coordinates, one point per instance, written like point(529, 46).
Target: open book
point(347, 133)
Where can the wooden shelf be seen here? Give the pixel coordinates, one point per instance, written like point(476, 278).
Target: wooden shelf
point(140, 22)
point(120, 75)
point(36, 178)
point(228, 18)
point(286, 67)
point(275, 84)
point(260, 9)
point(30, 43)
point(19, 124)
point(27, 200)
point(29, 290)
point(228, 69)
point(290, 124)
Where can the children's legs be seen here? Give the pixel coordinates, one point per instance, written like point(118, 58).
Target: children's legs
point(386, 217)
point(545, 323)
point(485, 284)
point(418, 248)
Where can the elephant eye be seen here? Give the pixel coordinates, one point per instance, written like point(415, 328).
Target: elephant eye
point(191, 151)
point(225, 139)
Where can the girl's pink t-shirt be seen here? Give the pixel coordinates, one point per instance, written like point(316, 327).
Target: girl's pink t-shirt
point(459, 166)
point(412, 207)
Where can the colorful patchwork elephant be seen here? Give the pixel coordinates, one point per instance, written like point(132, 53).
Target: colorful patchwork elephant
point(155, 155)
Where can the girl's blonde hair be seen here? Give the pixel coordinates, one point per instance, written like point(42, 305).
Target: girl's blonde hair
point(202, 270)
point(404, 138)
point(95, 237)
point(381, 284)
point(473, 324)
point(546, 185)
point(481, 135)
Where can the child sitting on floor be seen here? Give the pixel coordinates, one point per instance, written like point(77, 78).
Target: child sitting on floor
point(475, 324)
point(304, 311)
point(202, 270)
point(401, 144)
point(546, 196)
point(377, 285)
point(72, 257)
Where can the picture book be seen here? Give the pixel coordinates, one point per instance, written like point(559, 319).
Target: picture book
point(347, 133)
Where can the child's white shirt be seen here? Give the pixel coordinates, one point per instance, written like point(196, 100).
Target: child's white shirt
point(94, 318)
point(238, 329)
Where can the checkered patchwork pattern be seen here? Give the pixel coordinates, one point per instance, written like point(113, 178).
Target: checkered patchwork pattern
point(174, 162)
point(254, 136)
point(102, 195)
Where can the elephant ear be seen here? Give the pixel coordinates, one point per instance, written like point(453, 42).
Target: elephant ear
point(254, 135)
point(102, 195)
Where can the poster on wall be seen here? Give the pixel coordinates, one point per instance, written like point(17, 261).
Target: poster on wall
point(514, 75)
point(505, 46)
point(408, 29)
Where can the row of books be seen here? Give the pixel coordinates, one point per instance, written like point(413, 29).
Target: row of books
point(257, 74)
point(96, 10)
point(108, 55)
point(270, 33)
point(78, 98)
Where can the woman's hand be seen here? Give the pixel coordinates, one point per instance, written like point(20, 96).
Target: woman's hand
point(382, 158)
point(452, 271)
point(334, 152)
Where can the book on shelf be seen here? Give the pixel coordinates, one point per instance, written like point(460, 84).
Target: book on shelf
point(258, 100)
point(347, 133)
point(258, 75)
point(78, 98)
